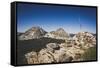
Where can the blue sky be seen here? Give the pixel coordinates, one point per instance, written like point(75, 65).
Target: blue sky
point(51, 18)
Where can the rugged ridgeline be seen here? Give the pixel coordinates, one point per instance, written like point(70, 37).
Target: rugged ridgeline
point(71, 50)
point(37, 32)
point(58, 34)
point(32, 33)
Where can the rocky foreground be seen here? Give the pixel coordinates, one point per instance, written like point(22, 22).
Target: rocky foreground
point(69, 51)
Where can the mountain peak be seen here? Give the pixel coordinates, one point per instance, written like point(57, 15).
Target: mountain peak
point(58, 34)
point(34, 28)
point(33, 33)
point(60, 29)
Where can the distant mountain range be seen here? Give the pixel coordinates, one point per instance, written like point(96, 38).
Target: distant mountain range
point(37, 32)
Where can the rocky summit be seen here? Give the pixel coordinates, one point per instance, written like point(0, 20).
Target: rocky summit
point(85, 39)
point(58, 34)
point(33, 33)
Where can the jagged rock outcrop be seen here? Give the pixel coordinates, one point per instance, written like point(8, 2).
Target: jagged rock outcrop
point(32, 57)
point(58, 34)
point(46, 56)
point(70, 51)
point(51, 54)
point(52, 46)
point(33, 33)
point(84, 39)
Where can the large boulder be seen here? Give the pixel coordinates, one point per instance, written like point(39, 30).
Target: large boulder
point(52, 46)
point(32, 57)
point(62, 56)
point(45, 56)
point(85, 40)
point(71, 50)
